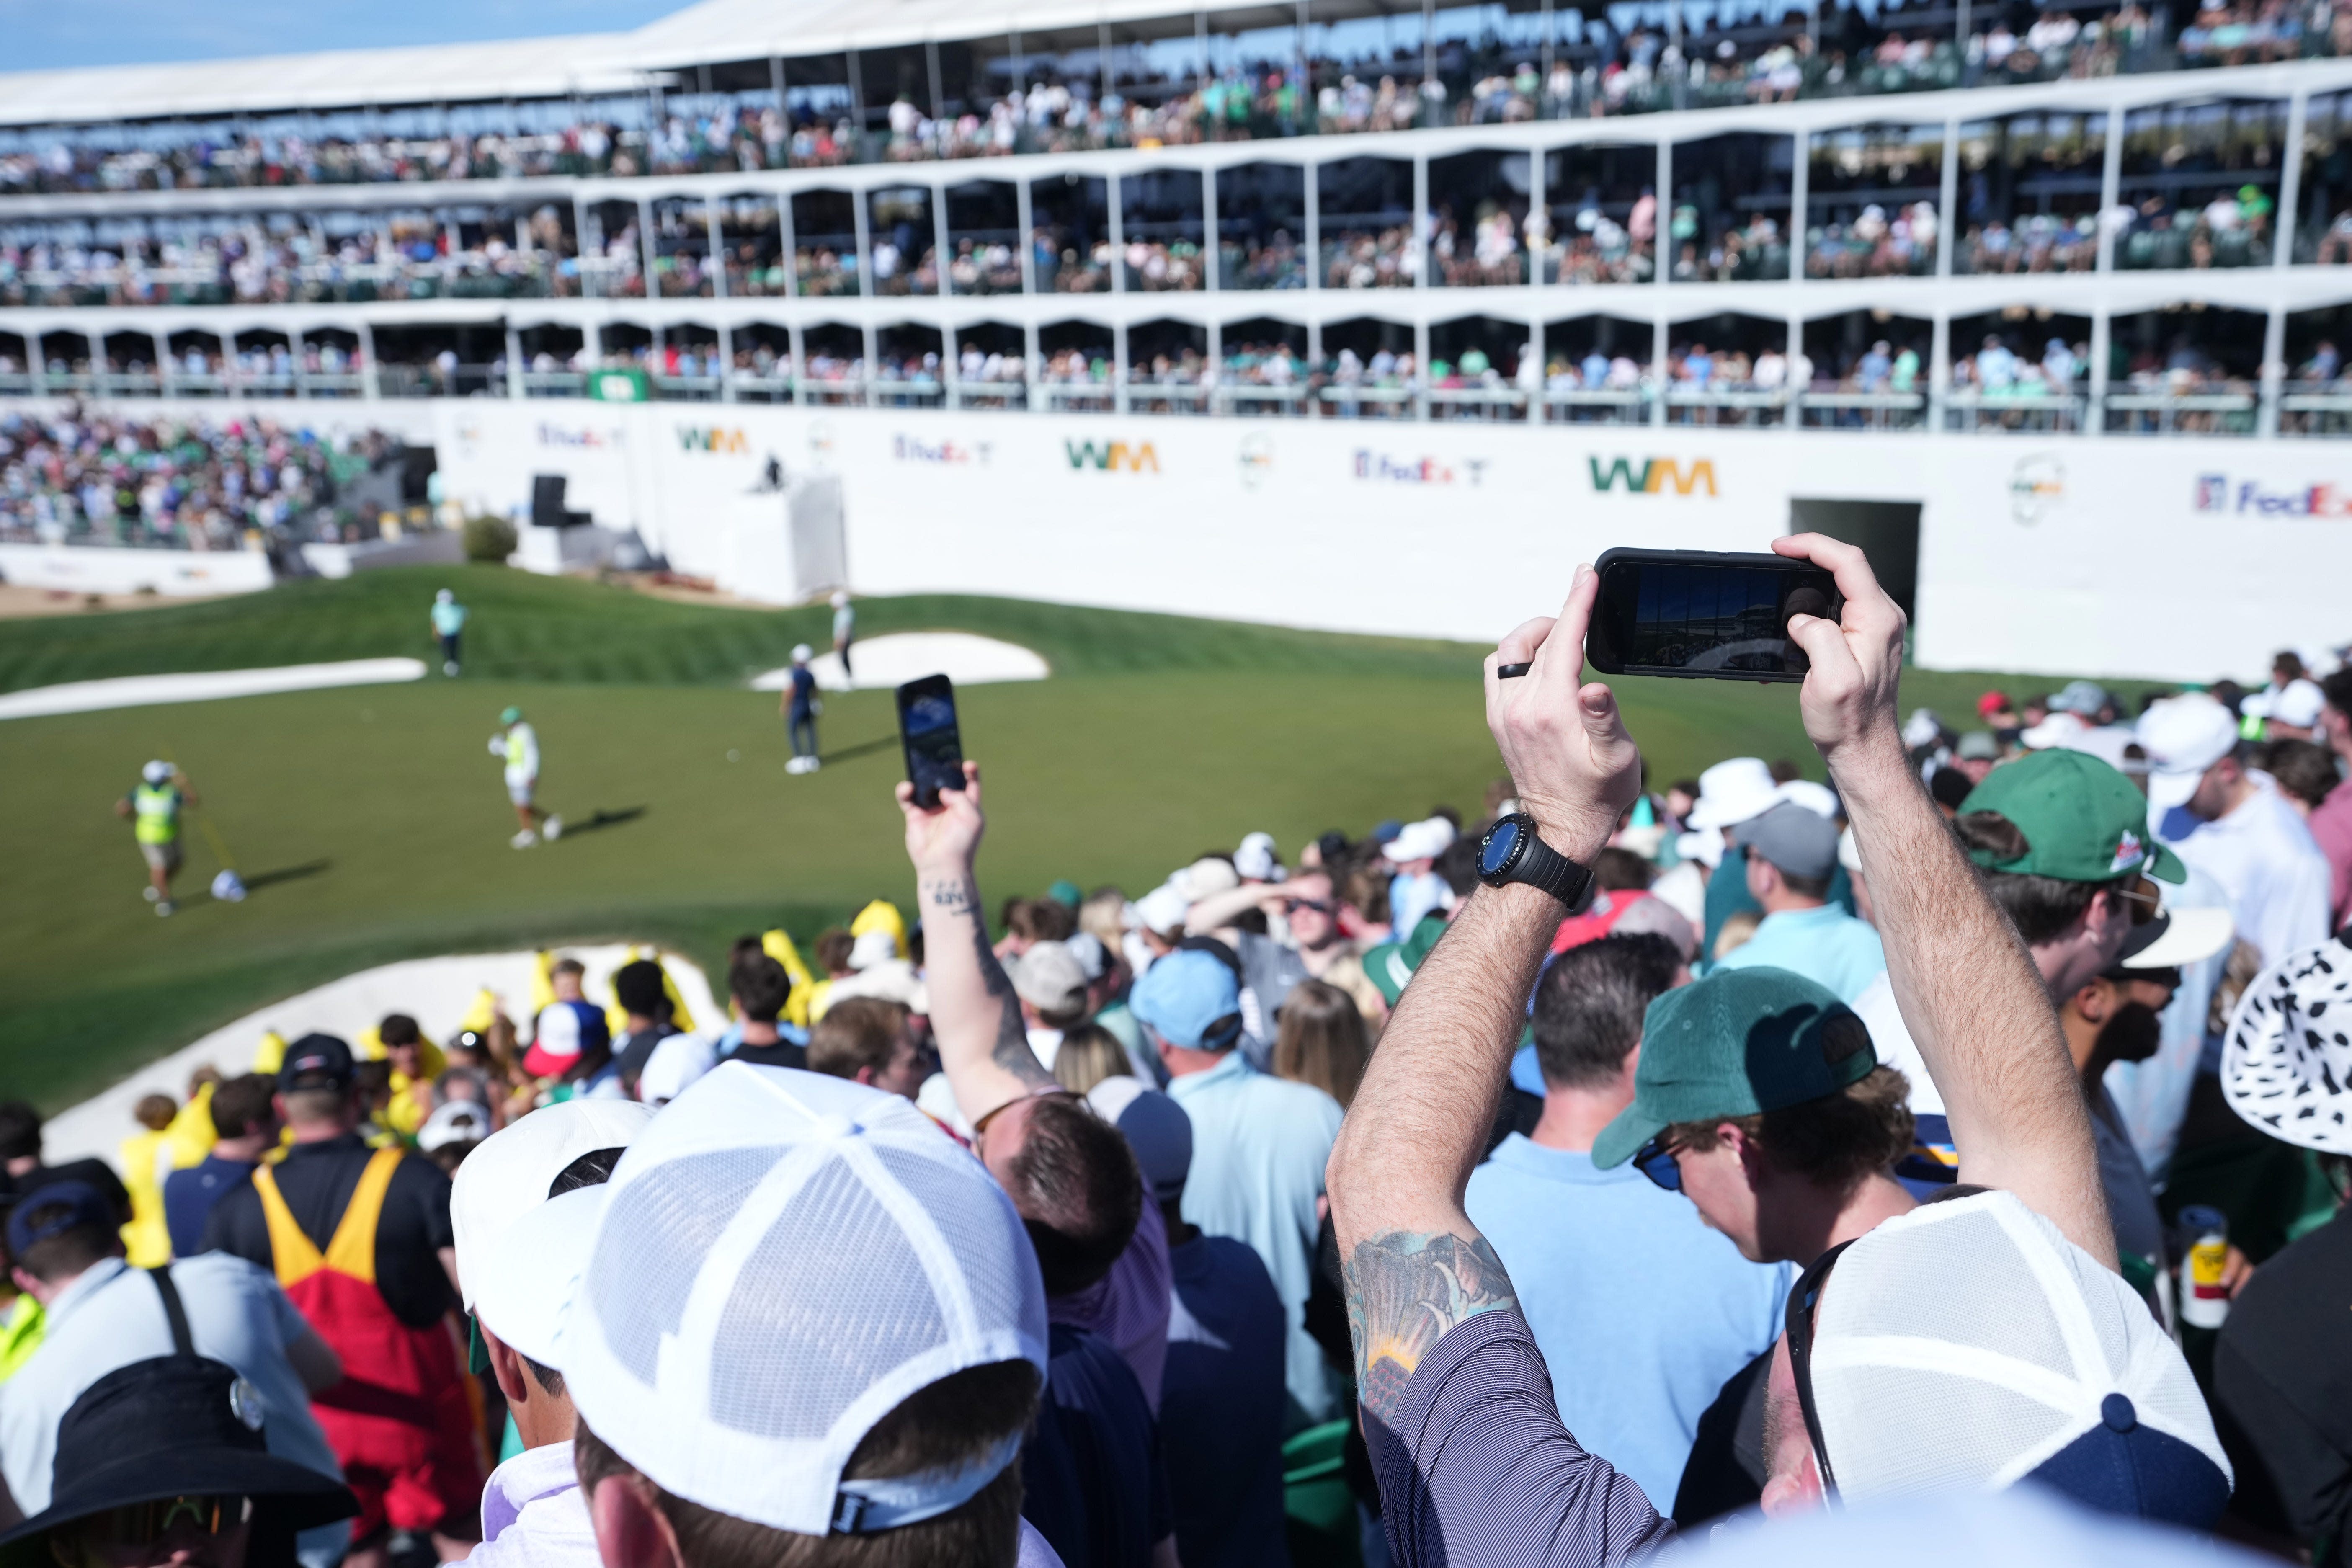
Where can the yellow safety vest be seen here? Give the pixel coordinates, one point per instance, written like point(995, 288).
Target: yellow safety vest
point(156, 810)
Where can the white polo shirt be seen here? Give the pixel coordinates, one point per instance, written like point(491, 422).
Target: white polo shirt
point(2265, 859)
point(113, 1316)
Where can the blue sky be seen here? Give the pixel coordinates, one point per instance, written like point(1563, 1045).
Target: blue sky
point(42, 34)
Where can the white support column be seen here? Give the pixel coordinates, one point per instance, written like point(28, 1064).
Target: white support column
point(873, 338)
point(714, 239)
point(2111, 184)
point(1024, 219)
point(2273, 384)
point(1118, 367)
point(1535, 346)
point(1661, 373)
point(2094, 420)
point(1033, 392)
point(726, 360)
point(858, 227)
point(1949, 218)
point(797, 351)
point(942, 238)
point(1420, 237)
point(648, 250)
point(788, 246)
point(1538, 199)
point(2298, 112)
point(1939, 370)
point(1115, 199)
point(514, 359)
point(1312, 182)
point(1212, 257)
point(588, 238)
point(1800, 201)
point(1421, 366)
point(592, 345)
point(371, 381)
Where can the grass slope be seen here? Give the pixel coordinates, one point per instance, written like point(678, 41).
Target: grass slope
point(373, 827)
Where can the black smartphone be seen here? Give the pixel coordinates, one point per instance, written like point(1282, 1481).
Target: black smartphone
point(1704, 613)
point(927, 733)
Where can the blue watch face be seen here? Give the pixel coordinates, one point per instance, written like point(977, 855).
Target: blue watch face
point(1501, 845)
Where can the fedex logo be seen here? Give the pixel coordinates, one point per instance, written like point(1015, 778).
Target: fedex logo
point(2216, 492)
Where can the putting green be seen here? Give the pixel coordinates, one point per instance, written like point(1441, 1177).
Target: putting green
point(371, 824)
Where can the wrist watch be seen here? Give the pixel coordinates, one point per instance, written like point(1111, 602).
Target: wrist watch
point(1513, 851)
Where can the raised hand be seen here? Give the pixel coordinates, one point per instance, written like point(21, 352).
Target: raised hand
point(1571, 758)
point(1848, 698)
point(946, 837)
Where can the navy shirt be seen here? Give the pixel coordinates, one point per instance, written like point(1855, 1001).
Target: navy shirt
point(1478, 1469)
point(1220, 1406)
point(189, 1197)
point(804, 691)
point(1091, 1476)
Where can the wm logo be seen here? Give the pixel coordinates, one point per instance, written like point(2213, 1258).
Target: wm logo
point(1112, 456)
point(1654, 476)
point(710, 438)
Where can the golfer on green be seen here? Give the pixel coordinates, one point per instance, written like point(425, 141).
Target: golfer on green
point(153, 806)
point(518, 744)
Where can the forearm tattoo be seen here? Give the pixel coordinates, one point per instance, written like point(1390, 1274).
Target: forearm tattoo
point(960, 897)
point(1405, 1289)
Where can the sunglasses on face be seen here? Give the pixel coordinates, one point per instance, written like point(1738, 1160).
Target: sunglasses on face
point(145, 1523)
point(1655, 1160)
point(2146, 901)
point(1804, 1296)
point(1320, 906)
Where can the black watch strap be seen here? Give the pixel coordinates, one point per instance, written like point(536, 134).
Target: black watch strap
point(1541, 865)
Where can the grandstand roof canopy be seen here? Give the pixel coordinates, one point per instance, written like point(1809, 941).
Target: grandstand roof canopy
point(708, 32)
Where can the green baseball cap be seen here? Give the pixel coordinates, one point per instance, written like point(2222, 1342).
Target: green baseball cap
point(509, 715)
point(2083, 821)
point(1391, 963)
point(1739, 1042)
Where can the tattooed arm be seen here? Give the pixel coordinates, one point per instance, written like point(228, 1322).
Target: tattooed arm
point(976, 1019)
point(1416, 1266)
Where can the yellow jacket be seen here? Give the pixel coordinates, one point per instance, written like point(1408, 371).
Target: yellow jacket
point(146, 1240)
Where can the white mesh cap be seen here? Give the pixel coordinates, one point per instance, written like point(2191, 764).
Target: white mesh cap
point(782, 1259)
point(1968, 1345)
point(508, 1174)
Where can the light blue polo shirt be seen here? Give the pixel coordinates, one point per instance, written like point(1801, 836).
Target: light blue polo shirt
point(1827, 946)
point(1642, 1313)
point(1259, 1146)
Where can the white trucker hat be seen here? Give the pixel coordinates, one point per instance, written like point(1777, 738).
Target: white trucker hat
point(507, 1174)
point(2039, 1363)
point(781, 1259)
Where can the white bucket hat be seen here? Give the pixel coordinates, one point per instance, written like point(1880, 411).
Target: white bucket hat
point(2286, 1061)
point(1731, 792)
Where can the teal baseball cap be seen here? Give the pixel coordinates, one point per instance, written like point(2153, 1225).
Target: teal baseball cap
point(2083, 821)
point(1739, 1042)
point(509, 715)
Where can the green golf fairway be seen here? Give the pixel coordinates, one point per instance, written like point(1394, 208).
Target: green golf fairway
point(371, 824)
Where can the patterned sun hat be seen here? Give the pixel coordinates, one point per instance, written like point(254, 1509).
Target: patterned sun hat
point(2287, 1065)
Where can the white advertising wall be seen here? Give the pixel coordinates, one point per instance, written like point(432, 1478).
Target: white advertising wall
point(2183, 558)
point(92, 569)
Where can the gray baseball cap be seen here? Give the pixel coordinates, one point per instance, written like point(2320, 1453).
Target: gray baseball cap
point(1801, 842)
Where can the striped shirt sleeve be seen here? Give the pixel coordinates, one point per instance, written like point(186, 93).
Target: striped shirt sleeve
point(1480, 1470)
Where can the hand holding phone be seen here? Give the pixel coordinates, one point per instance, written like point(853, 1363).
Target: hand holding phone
point(931, 738)
point(1706, 614)
point(1570, 759)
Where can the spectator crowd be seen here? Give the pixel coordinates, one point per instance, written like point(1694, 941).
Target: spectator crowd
point(1761, 1157)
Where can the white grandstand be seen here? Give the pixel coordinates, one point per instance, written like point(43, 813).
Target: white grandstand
point(2022, 225)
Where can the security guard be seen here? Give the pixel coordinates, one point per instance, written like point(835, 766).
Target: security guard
point(153, 806)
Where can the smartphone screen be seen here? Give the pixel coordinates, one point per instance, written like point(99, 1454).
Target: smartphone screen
point(1704, 614)
point(927, 730)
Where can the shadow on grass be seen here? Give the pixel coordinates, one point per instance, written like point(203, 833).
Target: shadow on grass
point(261, 879)
point(863, 749)
point(604, 819)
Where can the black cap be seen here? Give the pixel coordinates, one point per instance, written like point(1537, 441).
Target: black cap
point(177, 1425)
point(62, 1206)
point(316, 1059)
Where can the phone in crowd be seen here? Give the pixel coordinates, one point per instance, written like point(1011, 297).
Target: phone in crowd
point(1704, 613)
point(927, 733)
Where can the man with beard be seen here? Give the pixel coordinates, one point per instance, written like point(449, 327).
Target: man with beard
point(2113, 1018)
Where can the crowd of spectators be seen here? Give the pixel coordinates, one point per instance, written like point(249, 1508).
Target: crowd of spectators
point(1411, 1197)
point(1594, 70)
point(93, 478)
